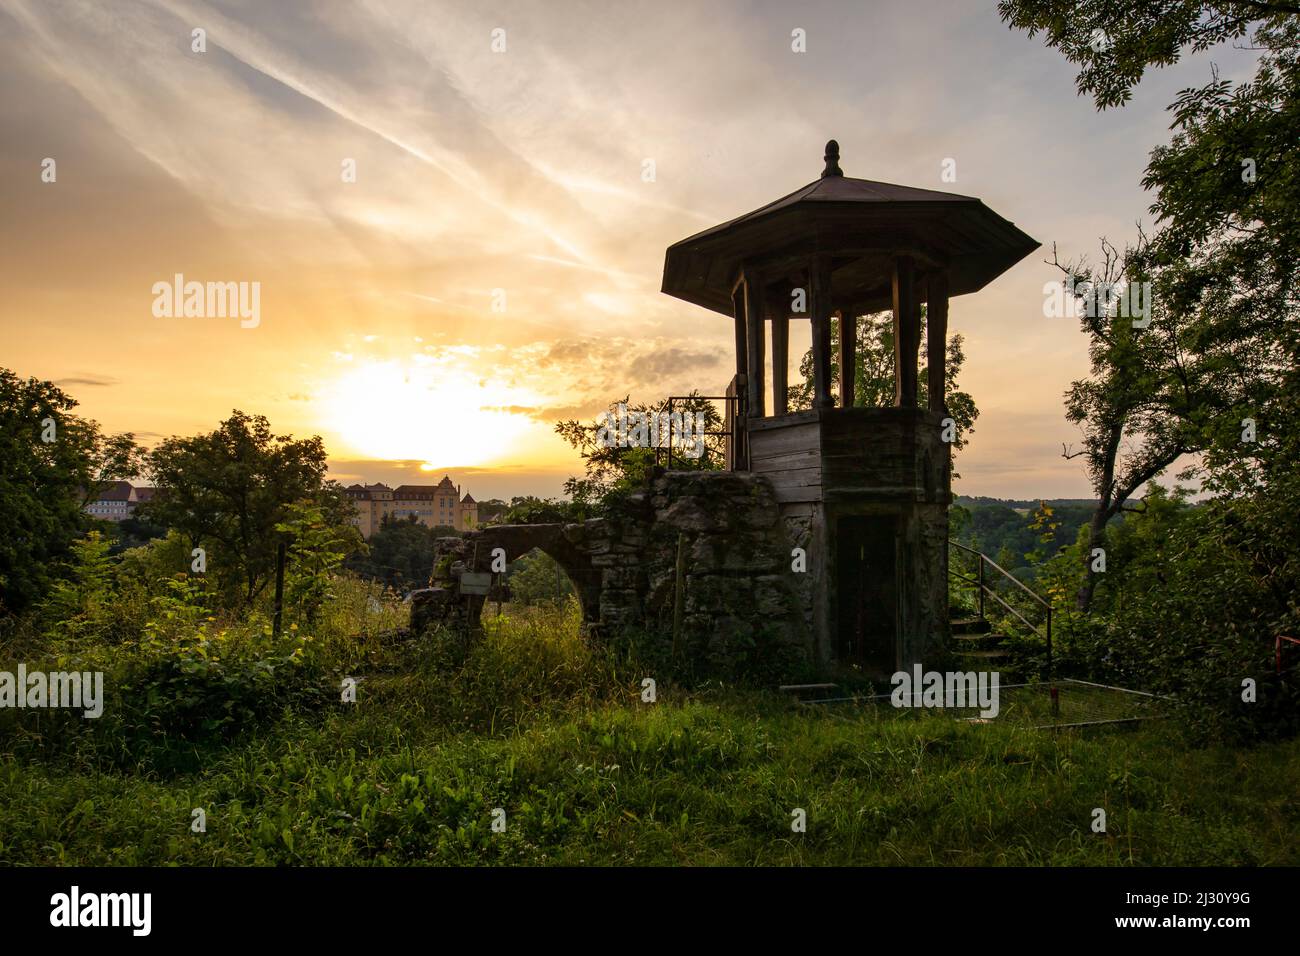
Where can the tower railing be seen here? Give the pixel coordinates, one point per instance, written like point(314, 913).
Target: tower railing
point(732, 406)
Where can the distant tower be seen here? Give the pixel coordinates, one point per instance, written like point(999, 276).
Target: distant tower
point(864, 490)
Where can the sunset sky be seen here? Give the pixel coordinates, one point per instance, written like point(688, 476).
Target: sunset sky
point(518, 171)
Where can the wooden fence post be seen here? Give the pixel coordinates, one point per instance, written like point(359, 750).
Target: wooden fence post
point(679, 594)
point(279, 589)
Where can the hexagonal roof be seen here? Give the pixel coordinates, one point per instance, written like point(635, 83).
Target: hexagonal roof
point(862, 225)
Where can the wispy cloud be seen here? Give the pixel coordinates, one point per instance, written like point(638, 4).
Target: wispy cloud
point(94, 381)
point(523, 172)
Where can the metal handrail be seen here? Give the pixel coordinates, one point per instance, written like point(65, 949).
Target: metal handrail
point(1005, 573)
point(726, 400)
point(982, 588)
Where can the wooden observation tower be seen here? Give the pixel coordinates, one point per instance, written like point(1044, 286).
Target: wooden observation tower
point(865, 491)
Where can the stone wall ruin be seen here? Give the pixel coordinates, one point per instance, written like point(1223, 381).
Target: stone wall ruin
point(741, 607)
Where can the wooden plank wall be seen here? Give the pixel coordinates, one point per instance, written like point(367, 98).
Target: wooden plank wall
point(892, 455)
point(790, 458)
point(883, 457)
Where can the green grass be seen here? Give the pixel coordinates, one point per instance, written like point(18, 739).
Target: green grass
point(555, 733)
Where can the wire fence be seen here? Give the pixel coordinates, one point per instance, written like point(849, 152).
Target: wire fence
point(1045, 705)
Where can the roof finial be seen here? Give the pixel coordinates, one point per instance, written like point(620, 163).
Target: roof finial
point(832, 160)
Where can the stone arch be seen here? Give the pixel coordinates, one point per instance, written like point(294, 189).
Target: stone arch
point(552, 540)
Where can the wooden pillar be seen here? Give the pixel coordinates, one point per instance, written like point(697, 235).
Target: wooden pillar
point(756, 351)
point(848, 354)
point(737, 441)
point(738, 310)
point(819, 308)
point(737, 456)
point(937, 337)
point(778, 310)
point(907, 332)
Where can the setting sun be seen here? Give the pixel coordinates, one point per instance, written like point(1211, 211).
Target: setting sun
point(398, 411)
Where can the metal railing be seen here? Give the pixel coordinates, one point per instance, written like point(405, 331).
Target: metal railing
point(730, 411)
point(980, 580)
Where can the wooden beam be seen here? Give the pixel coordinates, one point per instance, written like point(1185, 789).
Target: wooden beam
point(819, 308)
point(778, 310)
point(735, 447)
point(793, 258)
point(907, 332)
point(937, 338)
point(848, 355)
point(755, 336)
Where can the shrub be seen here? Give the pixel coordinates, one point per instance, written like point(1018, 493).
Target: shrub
point(1189, 607)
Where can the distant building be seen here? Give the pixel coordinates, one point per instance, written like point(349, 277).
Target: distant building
point(118, 501)
point(433, 506)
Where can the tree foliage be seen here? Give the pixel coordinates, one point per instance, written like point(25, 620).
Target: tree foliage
point(45, 484)
point(530, 509)
point(537, 578)
point(1216, 369)
point(611, 468)
point(399, 553)
point(1114, 42)
point(315, 547)
point(228, 490)
point(1147, 399)
point(1194, 599)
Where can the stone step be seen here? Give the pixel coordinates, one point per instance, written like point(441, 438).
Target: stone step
point(968, 639)
point(986, 654)
point(970, 625)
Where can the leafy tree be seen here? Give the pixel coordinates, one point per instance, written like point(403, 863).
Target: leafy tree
point(113, 458)
point(1008, 558)
point(1114, 42)
point(44, 485)
point(874, 378)
point(1044, 523)
point(1227, 191)
point(75, 601)
point(228, 490)
point(315, 549)
point(1147, 397)
point(1010, 536)
point(611, 468)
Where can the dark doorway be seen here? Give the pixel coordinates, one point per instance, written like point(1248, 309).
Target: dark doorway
point(867, 588)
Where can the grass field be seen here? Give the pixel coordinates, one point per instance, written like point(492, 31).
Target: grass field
point(557, 736)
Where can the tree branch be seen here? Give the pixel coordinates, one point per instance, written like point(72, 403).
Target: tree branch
point(1067, 454)
point(1265, 7)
